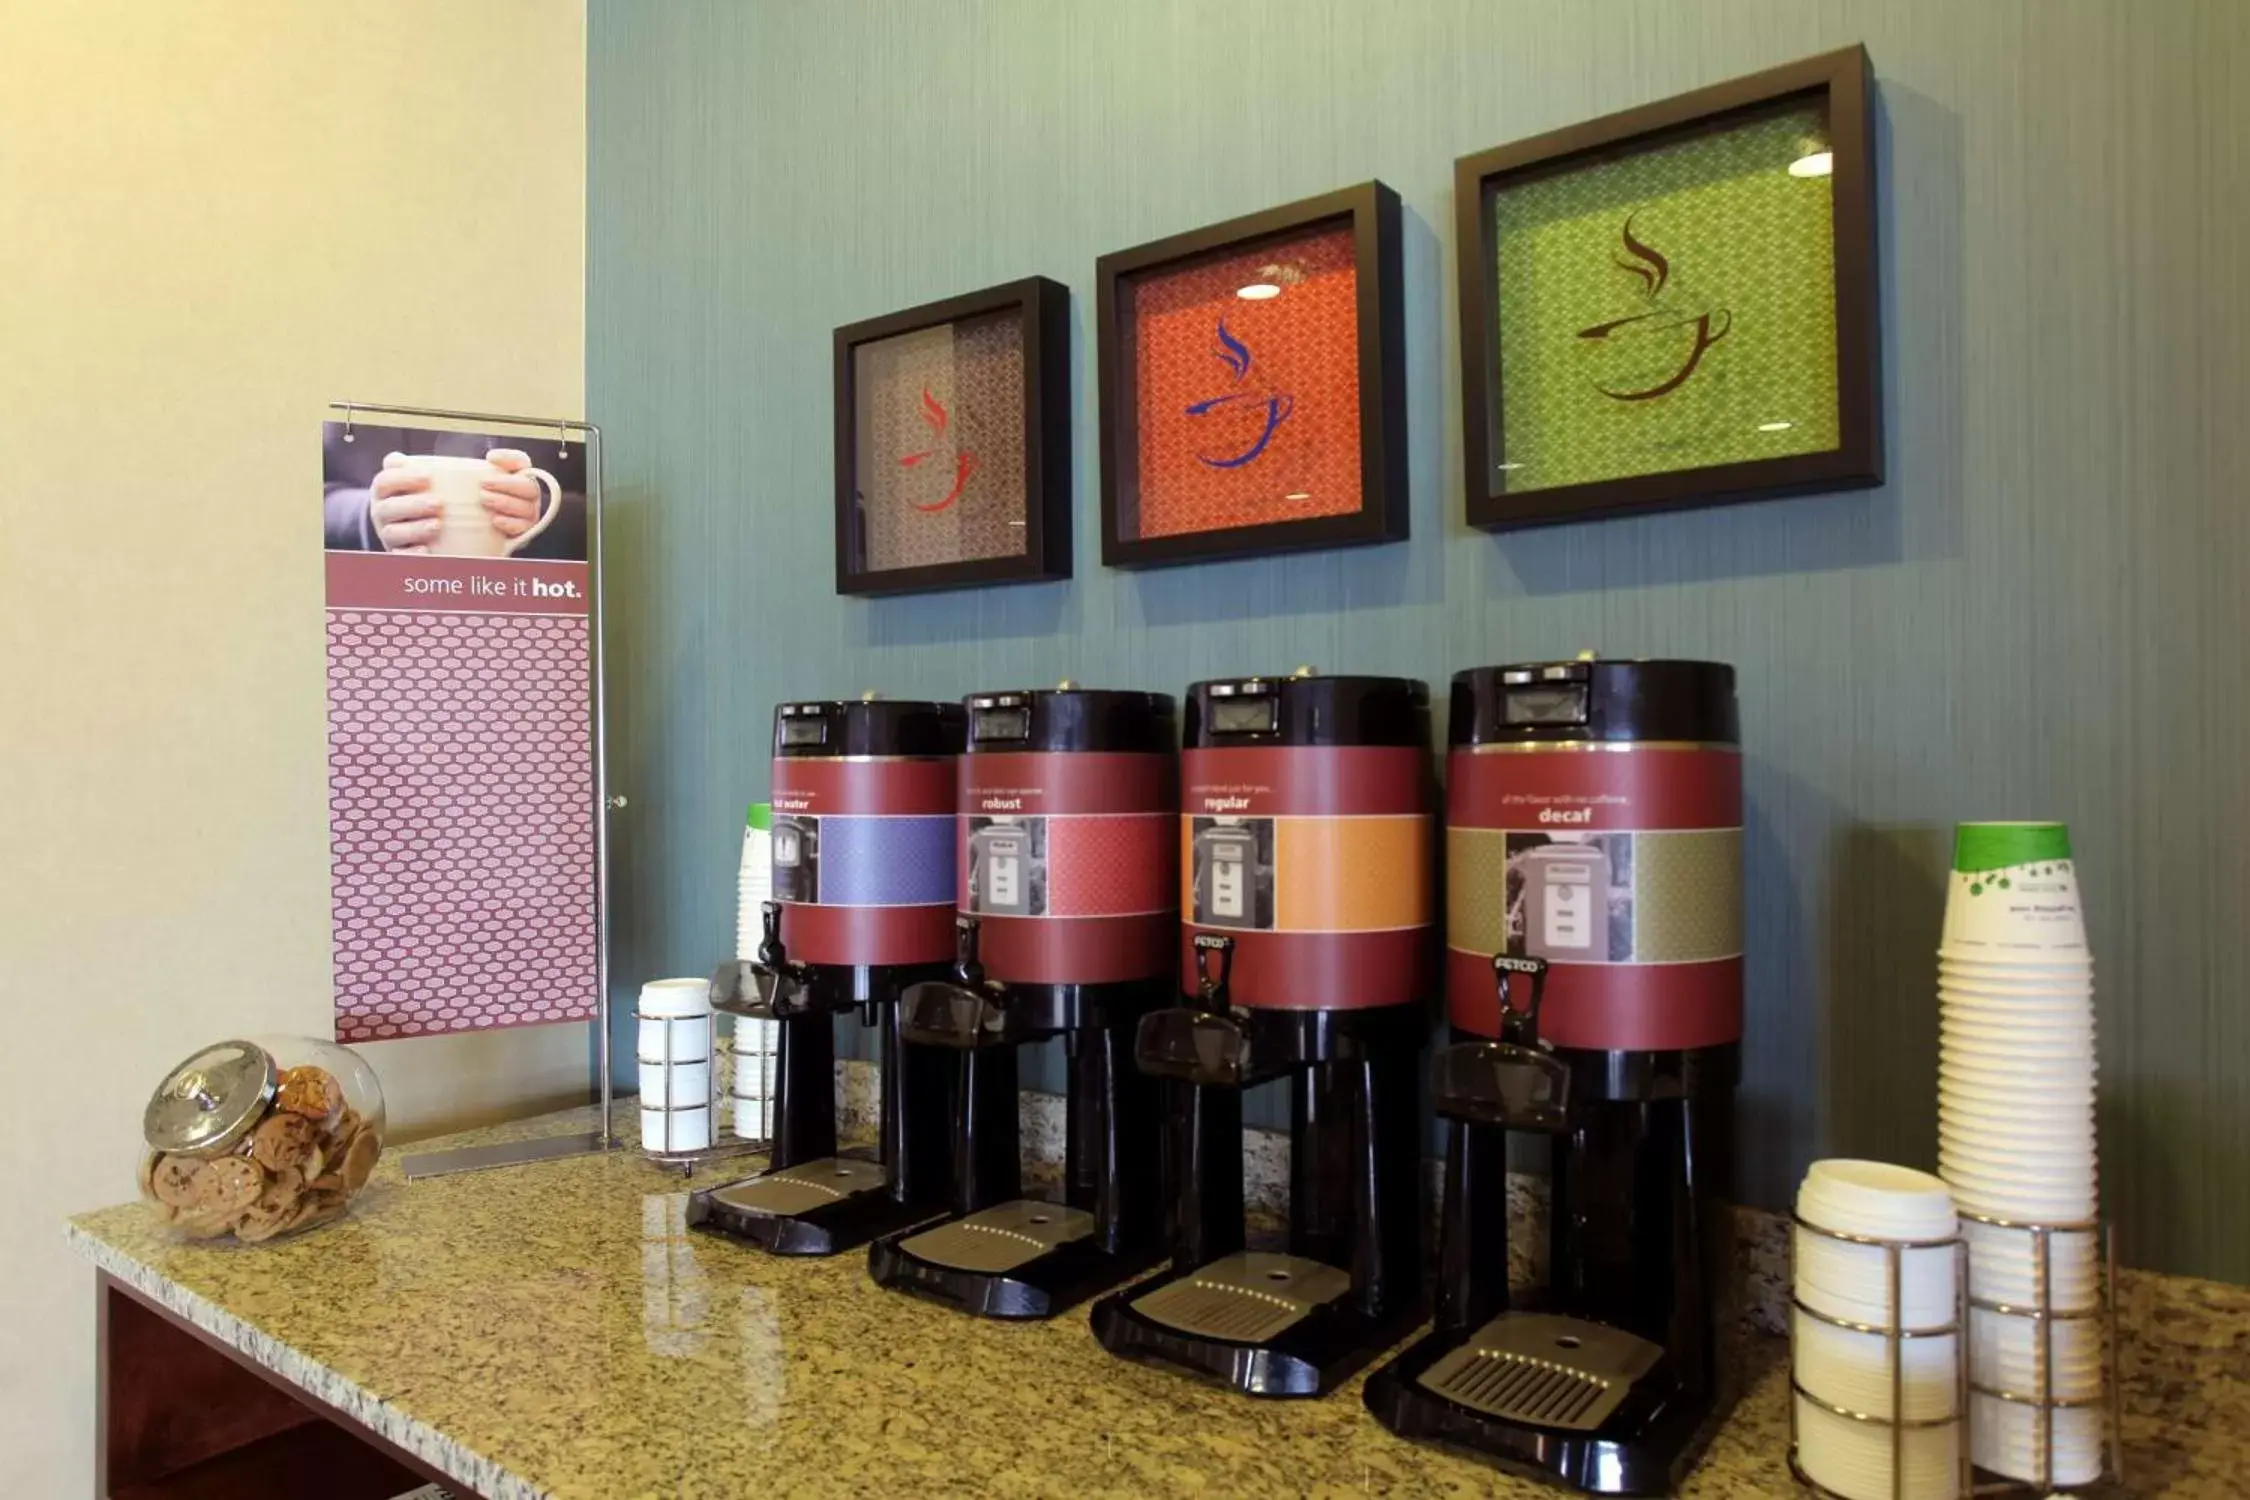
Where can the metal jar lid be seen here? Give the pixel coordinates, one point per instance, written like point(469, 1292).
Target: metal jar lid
point(212, 1100)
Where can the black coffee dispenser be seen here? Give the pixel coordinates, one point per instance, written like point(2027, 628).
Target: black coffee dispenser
point(864, 876)
point(1594, 976)
point(1068, 926)
point(1304, 940)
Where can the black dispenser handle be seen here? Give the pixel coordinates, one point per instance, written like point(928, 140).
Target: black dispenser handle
point(1199, 1043)
point(1515, 1083)
point(767, 988)
point(1212, 979)
point(770, 951)
point(964, 1011)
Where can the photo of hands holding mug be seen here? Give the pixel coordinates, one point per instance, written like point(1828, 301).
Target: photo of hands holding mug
point(420, 493)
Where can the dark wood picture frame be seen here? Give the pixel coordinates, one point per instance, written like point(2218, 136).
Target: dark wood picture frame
point(1372, 211)
point(1844, 79)
point(1043, 305)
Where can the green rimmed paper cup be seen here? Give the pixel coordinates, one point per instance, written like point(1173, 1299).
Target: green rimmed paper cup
point(2013, 894)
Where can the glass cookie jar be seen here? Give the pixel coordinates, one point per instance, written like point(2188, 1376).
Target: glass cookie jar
point(258, 1139)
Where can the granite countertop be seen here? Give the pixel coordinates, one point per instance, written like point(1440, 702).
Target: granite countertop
point(554, 1330)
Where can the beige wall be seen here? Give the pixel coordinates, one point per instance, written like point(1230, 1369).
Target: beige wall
point(213, 218)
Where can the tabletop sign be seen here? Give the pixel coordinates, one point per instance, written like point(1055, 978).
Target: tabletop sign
point(460, 731)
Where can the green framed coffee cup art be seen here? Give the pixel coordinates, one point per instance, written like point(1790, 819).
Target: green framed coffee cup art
point(1674, 305)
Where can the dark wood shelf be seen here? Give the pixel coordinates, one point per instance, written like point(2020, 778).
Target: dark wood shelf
point(332, 1461)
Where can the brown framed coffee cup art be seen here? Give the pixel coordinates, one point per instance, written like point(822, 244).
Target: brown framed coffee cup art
point(953, 442)
point(1675, 305)
point(1253, 388)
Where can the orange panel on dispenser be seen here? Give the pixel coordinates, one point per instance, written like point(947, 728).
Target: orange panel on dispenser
point(1351, 874)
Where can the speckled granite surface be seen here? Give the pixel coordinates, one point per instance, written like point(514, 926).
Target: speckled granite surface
point(553, 1330)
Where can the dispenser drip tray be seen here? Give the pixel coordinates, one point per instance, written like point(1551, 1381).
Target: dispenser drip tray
point(1001, 1238)
point(1543, 1370)
point(802, 1189)
point(1247, 1298)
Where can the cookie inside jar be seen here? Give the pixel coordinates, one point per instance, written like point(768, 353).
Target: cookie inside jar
point(251, 1140)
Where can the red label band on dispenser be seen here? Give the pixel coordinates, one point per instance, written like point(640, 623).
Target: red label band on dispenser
point(1622, 867)
point(1075, 781)
point(856, 935)
point(1316, 861)
point(1066, 859)
point(870, 787)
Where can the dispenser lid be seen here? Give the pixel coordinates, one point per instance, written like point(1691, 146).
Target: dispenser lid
point(1592, 699)
point(1072, 718)
point(211, 1100)
point(868, 726)
point(1306, 709)
point(761, 816)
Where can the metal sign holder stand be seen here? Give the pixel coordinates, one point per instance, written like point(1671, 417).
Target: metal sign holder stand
point(603, 1138)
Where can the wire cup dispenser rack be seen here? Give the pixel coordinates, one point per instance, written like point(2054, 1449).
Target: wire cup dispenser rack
point(2040, 1311)
point(675, 1148)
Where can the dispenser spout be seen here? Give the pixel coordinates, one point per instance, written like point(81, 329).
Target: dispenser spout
point(771, 953)
point(1519, 1024)
point(1214, 967)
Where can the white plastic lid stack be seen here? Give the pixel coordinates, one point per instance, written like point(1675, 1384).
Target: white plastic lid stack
point(1850, 1367)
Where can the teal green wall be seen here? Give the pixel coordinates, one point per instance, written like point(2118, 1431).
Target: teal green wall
point(2043, 614)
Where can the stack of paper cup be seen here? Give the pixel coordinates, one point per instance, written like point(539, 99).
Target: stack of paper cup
point(755, 1042)
point(675, 1058)
point(751, 1091)
point(1839, 1282)
point(2016, 1136)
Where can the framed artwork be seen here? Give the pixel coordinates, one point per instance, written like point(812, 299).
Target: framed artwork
point(953, 442)
point(1675, 305)
point(1253, 390)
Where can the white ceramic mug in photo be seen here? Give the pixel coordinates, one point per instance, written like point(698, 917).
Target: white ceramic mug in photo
point(465, 527)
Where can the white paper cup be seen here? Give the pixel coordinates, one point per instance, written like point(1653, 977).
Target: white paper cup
point(1975, 964)
point(2019, 1076)
point(2001, 1268)
point(1852, 1369)
point(1988, 1193)
point(752, 1118)
point(2013, 893)
point(2028, 984)
point(690, 1129)
point(1853, 1459)
point(2031, 1158)
point(2004, 1355)
point(2005, 1437)
point(2009, 1007)
point(2062, 1143)
point(2047, 1093)
point(2056, 1101)
point(2033, 1039)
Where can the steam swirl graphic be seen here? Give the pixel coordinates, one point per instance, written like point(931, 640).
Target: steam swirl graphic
point(1235, 355)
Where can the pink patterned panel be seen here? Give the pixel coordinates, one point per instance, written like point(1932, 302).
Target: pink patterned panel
point(1124, 863)
point(460, 808)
